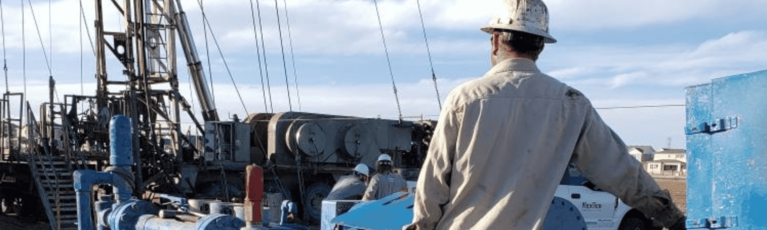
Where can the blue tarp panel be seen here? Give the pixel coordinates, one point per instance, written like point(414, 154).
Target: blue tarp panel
point(391, 212)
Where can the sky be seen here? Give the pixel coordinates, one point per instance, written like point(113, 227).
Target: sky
point(618, 53)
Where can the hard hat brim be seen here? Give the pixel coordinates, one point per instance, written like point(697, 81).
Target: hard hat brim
point(547, 38)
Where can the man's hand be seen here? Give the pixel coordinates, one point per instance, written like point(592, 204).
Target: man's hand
point(679, 225)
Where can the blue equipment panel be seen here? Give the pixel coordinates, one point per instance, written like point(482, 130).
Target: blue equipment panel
point(727, 162)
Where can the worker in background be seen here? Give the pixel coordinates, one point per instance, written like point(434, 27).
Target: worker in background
point(351, 187)
point(503, 141)
point(385, 182)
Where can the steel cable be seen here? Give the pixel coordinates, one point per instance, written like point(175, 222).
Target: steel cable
point(50, 34)
point(386, 49)
point(80, 24)
point(292, 55)
point(428, 51)
point(24, 53)
point(263, 50)
point(215, 41)
point(207, 55)
point(282, 48)
point(258, 53)
point(5, 63)
point(47, 62)
point(87, 31)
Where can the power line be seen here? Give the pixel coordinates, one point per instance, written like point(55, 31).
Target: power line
point(292, 56)
point(282, 48)
point(642, 106)
point(386, 49)
point(428, 51)
point(258, 53)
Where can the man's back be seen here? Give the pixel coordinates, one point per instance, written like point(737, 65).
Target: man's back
point(383, 185)
point(502, 145)
point(348, 187)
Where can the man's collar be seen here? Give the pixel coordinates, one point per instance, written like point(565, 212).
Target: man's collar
point(514, 64)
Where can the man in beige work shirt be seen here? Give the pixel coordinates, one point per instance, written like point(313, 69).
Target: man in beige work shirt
point(504, 141)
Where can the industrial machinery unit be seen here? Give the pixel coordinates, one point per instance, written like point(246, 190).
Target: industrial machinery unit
point(302, 154)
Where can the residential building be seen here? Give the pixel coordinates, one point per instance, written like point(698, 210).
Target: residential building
point(643, 153)
point(668, 162)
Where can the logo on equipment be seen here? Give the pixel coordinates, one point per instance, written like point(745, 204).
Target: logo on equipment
point(591, 206)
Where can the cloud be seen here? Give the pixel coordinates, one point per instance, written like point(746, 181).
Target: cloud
point(659, 65)
point(350, 27)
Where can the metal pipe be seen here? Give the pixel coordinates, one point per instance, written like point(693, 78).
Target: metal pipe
point(121, 157)
point(84, 180)
point(153, 222)
point(195, 67)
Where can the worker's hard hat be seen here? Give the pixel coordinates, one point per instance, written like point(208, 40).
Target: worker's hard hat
point(384, 157)
point(362, 169)
point(529, 16)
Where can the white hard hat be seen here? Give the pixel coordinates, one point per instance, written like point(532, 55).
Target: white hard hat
point(384, 157)
point(362, 169)
point(529, 16)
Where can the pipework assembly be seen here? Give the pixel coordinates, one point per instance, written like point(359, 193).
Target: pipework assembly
point(118, 210)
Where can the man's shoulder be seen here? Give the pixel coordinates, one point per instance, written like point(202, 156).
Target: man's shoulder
point(496, 83)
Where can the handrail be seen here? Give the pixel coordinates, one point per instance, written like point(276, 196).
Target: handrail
point(33, 152)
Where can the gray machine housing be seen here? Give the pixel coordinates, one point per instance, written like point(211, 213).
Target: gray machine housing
point(318, 138)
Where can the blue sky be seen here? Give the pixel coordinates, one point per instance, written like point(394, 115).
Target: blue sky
point(619, 53)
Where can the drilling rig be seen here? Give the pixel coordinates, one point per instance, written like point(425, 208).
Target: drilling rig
point(302, 153)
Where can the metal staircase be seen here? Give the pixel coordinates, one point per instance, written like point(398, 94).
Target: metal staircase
point(53, 176)
point(53, 179)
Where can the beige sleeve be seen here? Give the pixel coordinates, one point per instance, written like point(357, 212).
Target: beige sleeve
point(370, 192)
point(433, 187)
point(603, 158)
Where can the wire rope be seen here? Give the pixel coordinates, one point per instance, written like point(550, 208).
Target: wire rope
point(388, 61)
point(258, 53)
point(292, 55)
point(50, 33)
point(215, 41)
point(47, 62)
point(80, 24)
point(87, 31)
point(207, 55)
point(428, 51)
point(23, 53)
point(5, 63)
point(263, 50)
point(282, 48)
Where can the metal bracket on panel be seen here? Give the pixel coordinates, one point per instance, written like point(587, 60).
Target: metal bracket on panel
point(713, 223)
point(715, 126)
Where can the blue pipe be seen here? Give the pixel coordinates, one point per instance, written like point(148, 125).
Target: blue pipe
point(121, 158)
point(84, 180)
point(127, 213)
